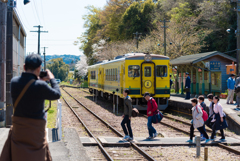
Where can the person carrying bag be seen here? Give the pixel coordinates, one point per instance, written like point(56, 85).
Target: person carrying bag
point(218, 119)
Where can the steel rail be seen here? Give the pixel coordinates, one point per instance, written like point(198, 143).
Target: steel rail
point(219, 144)
point(90, 133)
point(135, 146)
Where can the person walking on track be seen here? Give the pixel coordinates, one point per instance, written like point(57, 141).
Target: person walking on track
point(187, 86)
point(27, 137)
point(127, 116)
point(231, 87)
point(197, 121)
point(151, 108)
point(219, 119)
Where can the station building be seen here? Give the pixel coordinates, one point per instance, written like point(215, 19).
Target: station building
point(19, 45)
point(208, 72)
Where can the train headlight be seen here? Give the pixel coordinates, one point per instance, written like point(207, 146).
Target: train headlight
point(148, 57)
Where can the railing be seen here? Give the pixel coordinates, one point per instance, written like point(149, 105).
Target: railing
point(59, 120)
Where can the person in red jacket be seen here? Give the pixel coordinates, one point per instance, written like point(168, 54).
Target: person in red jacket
point(151, 108)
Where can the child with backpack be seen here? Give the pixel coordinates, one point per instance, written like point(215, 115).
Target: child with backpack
point(127, 116)
point(203, 105)
point(197, 121)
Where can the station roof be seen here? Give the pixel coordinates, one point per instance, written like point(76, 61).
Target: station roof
point(195, 58)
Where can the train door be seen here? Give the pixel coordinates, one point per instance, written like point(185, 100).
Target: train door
point(148, 80)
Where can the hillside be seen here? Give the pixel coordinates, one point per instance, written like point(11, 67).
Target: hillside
point(68, 59)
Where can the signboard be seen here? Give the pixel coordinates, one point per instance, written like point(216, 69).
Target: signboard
point(215, 65)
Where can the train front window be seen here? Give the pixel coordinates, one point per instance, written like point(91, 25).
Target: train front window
point(133, 71)
point(147, 71)
point(161, 71)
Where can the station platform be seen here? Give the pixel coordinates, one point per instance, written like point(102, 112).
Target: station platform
point(177, 102)
point(141, 141)
point(68, 150)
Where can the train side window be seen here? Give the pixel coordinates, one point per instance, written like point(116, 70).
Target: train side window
point(116, 74)
point(161, 71)
point(133, 71)
point(147, 71)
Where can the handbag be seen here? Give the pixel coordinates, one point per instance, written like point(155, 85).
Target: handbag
point(157, 115)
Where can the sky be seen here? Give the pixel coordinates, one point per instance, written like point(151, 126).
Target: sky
point(61, 18)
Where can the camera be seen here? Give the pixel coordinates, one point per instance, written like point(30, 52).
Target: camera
point(43, 74)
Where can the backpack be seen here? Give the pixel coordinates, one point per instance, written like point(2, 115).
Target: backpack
point(205, 115)
point(157, 115)
point(135, 112)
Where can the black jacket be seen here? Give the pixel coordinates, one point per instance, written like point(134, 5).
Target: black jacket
point(32, 103)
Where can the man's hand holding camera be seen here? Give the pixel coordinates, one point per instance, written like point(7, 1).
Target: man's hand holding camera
point(48, 77)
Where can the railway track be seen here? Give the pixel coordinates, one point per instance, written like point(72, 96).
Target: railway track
point(104, 151)
point(188, 132)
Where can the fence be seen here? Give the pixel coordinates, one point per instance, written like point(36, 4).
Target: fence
point(59, 120)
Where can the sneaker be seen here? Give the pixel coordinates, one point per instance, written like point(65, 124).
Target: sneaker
point(149, 138)
point(222, 140)
point(155, 135)
point(189, 141)
point(203, 138)
point(126, 137)
point(207, 140)
point(130, 139)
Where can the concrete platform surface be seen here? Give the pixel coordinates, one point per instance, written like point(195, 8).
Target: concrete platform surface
point(180, 141)
point(70, 149)
point(88, 141)
point(179, 103)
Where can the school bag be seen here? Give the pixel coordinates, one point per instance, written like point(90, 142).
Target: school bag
point(157, 115)
point(135, 112)
point(237, 89)
point(205, 115)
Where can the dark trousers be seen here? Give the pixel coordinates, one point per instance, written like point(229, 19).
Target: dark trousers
point(201, 131)
point(214, 132)
point(128, 122)
point(187, 95)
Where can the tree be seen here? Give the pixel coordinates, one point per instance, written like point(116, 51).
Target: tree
point(58, 68)
point(137, 17)
point(81, 66)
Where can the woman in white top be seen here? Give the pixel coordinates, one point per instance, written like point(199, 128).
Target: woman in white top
point(219, 115)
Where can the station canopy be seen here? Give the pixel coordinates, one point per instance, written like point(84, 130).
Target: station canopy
point(195, 58)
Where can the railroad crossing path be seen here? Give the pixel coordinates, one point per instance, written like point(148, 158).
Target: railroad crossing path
point(69, 149)
point(175, 141)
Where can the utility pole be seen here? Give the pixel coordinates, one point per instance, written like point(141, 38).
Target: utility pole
point(9, 63)
point(39, 32)
point(3, 29)
point(165, 44)
point(44, 58)
point(238, 32)
point(137, 37)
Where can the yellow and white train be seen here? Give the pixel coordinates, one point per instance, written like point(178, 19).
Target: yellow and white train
point(137, 72)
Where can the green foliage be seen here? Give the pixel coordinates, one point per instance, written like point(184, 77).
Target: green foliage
point(58, 68)
point(138, 17)
point(199, 26)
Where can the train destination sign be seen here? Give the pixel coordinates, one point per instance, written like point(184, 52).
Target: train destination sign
point(215, 65)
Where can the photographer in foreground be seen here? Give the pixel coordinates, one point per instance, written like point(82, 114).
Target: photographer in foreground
point(27, 137)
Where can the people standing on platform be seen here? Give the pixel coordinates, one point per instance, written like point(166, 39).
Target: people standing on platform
point(27, 138)
point(220, 121)
point(231, 87)
point(151, 108)
point(171, 82)
point(203, 105)
point(187, 86)
point(127, 116)
point(197, 121)
point(238, 95)
point(211, 105)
